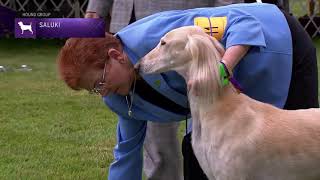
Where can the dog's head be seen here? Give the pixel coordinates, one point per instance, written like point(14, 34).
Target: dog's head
point(175, 50)
point(192, 53)
point(20, 23)
point(170, 52)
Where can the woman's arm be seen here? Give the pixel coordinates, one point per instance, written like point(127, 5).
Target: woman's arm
point(233, 55)
point(128, 151)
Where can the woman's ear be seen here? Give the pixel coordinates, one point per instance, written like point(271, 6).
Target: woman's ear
point(116, 55)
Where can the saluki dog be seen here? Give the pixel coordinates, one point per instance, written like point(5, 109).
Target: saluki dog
point(235, 137)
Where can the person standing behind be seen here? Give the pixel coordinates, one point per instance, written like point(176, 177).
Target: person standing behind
point(162, 156)
point(127, 11)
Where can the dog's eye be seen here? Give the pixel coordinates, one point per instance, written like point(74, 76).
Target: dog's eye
point(162, 42)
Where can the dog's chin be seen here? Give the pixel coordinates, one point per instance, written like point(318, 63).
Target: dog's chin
point(150, 70)
point(143, 68)
point(146, 68)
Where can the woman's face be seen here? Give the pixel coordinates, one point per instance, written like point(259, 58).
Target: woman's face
point(116, 77)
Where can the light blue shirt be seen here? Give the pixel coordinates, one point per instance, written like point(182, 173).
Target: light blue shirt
point(264, 73)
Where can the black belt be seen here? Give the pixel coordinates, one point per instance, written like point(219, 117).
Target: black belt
point(147, 93)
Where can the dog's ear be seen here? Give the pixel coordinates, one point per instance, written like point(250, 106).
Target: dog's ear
point(203, 74)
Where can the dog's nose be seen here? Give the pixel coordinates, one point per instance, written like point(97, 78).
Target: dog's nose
point(137, 67)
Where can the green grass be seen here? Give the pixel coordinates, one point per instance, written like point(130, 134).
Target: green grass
point(298, 7)
point(48, 131)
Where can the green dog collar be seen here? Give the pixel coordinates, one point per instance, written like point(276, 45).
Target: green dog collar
point(224, 76)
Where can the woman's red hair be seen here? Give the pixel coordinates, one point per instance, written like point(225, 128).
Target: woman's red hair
point(78, 54)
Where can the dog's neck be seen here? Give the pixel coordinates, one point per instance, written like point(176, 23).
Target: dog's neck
point(222, 103)
point(216, 114)
point(228, 96)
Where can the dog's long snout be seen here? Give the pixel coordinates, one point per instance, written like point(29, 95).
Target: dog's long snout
point(143, 67)
point(137, 67)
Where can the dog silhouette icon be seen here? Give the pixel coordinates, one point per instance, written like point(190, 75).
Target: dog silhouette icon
point(25, 27)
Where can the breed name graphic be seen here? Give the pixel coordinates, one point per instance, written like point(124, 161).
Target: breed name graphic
point(24, 27)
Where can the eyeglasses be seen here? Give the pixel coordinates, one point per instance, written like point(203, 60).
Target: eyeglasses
point(97, 89)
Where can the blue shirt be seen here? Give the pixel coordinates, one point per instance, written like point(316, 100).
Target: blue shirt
point(264, 73)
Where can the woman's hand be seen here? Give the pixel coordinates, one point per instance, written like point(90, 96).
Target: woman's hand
point(90, 14)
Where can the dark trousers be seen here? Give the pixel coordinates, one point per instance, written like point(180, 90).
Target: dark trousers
point(191, 167)
point(303, 90)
